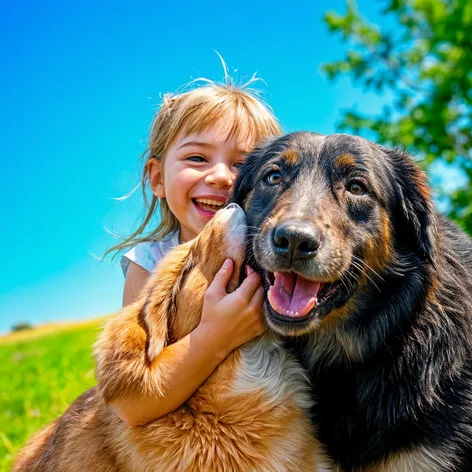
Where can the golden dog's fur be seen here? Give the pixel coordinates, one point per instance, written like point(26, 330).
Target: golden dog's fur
point(250, 415)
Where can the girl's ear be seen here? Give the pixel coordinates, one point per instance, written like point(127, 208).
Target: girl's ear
point(156, 180)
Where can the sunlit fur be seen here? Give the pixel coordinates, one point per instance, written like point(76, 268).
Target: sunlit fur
point(390, 357)
point(250, 415)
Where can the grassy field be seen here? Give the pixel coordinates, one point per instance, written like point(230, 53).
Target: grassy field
point(41, 372)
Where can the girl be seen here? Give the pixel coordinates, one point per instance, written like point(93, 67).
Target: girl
point(198, 140)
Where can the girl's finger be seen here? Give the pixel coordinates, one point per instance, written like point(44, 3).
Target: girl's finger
point(217, 289)
point(257, 298)
point(249, 286)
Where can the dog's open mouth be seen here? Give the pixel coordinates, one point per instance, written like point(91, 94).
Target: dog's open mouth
point(291, 295)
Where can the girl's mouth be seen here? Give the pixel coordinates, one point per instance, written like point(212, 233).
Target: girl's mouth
point(208, 205)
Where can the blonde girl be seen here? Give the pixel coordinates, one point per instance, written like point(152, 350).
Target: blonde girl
point(198, 140)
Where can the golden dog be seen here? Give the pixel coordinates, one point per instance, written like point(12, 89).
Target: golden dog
point(250, 415)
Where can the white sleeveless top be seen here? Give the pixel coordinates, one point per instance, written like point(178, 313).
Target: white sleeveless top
point(148, 254)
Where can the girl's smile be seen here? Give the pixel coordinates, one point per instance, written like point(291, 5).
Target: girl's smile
point(209, 204)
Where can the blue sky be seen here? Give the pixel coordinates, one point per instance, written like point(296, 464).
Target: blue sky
point(79, 85)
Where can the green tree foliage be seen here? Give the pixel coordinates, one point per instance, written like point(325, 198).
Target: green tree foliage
point(424, 62)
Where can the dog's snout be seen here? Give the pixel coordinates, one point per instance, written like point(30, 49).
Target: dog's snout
point(296, 240)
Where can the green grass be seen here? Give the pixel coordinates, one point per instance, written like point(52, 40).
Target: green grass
point(41, 372)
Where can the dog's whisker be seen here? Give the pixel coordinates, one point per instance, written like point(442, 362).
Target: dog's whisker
point(361, 269)
point(368, 266)
point(341, 279)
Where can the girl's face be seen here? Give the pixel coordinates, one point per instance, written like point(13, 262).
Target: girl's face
point(197, 174)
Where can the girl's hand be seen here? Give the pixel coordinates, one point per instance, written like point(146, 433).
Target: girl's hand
point(233, 318)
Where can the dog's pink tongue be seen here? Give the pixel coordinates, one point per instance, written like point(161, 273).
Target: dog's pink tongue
point(292, 295)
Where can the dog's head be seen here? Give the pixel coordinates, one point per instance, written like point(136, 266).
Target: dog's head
point(174, 299)
point(328, 217)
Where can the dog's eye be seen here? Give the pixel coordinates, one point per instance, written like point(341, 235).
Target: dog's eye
point(356, 188)
point(273, 178)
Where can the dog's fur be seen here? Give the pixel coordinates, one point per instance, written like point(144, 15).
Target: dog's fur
point(388, 351)
point(250, 415)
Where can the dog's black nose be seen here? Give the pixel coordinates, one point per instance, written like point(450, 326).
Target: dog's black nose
point(296, 240)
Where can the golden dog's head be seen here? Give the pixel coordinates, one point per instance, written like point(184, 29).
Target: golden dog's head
point(177, 287)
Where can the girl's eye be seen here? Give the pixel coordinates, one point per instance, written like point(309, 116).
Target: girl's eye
point(273, 178)
point(238, 164)
point(356, 188)
point(196, 159)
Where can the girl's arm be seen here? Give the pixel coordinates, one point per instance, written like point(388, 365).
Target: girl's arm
point(136, 277)
point(192, 360)
point(228, 320)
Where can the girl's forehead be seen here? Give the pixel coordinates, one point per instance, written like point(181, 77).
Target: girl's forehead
point(223, 131)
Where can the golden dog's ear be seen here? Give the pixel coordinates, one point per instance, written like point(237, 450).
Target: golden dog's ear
point(161, 304)
point(135, 336)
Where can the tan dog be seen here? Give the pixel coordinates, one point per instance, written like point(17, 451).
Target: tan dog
point(250, 415)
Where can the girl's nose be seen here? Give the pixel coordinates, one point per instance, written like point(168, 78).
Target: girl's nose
point(220, 176)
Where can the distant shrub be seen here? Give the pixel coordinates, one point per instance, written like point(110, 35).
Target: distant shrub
point(21, 326)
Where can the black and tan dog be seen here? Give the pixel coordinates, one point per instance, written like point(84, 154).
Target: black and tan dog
point(377, 287)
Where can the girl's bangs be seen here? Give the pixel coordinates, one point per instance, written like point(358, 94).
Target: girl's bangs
point(247, 124)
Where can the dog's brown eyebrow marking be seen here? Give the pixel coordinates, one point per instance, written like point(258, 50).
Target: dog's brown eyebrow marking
point(378, 249)
point(346, 160)
point(248, 200)
point(290, 155)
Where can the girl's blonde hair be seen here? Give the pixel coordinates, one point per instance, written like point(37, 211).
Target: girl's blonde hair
point(192, 112)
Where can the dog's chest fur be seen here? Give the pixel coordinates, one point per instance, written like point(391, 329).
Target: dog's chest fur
point(267, 366)
point(251, 414)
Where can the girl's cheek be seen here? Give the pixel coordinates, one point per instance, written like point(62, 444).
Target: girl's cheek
point(188, 177)
point(189, 173)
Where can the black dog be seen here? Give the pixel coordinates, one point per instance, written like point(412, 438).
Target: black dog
point(375, 289)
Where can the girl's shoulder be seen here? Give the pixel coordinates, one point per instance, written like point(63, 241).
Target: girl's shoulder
point(148, 253)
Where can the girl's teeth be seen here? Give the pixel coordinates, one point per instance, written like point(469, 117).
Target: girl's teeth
point(211, 206)
point(206, 201)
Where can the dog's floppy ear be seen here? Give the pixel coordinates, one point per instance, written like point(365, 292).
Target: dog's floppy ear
point(160, 306)
point(242, 184)
point(245, 179)
point(416, 221)
point(136, 335)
